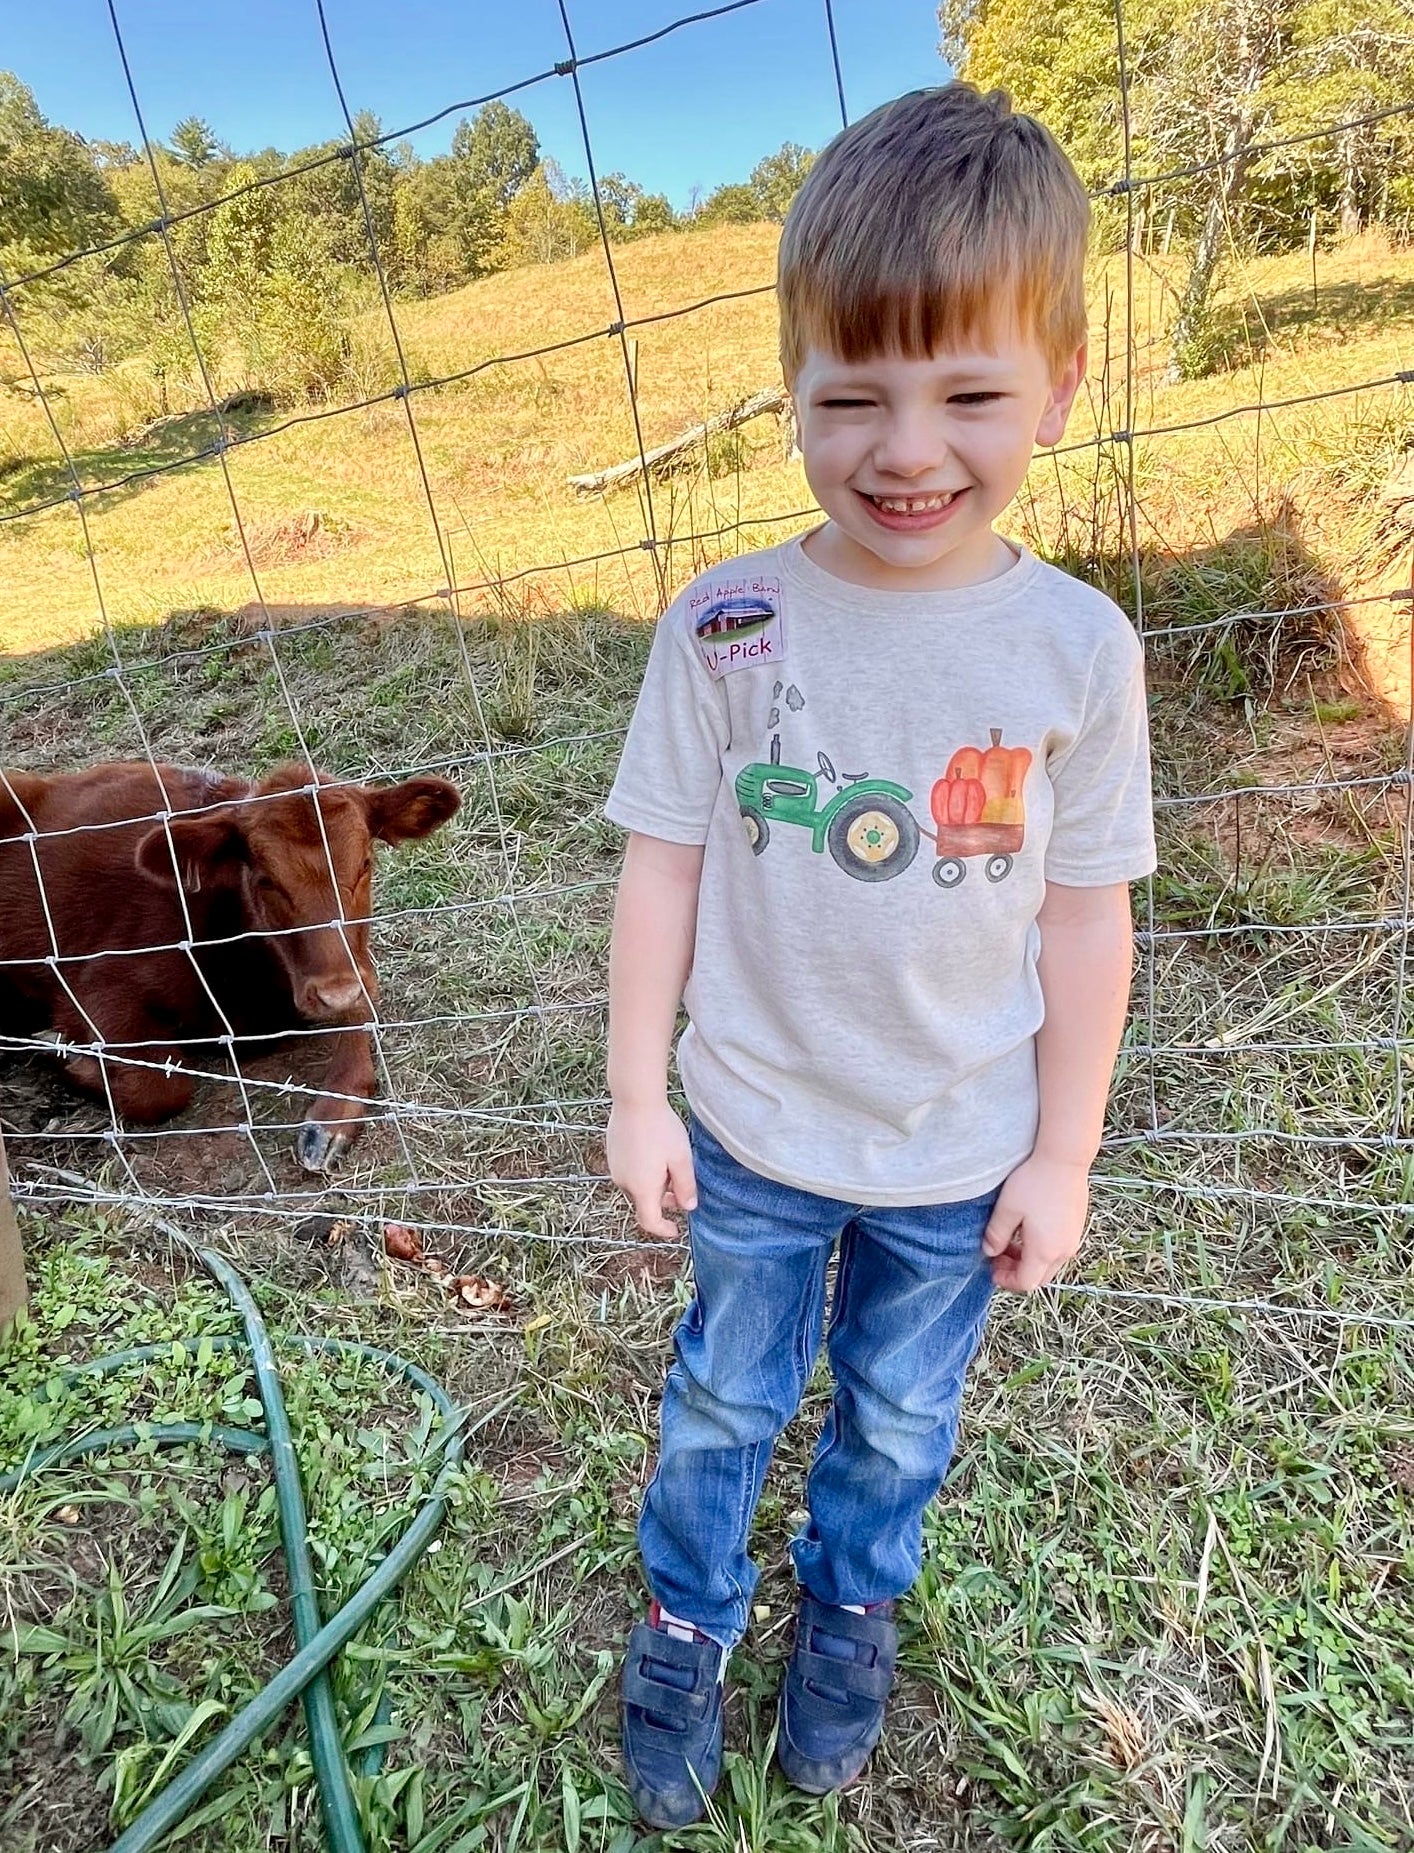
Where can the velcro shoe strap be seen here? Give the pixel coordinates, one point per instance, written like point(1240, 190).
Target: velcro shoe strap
point(663, 1700)
point(876, 1631)
point(660, 1696)
point(649, 1643)
point(826, 1674)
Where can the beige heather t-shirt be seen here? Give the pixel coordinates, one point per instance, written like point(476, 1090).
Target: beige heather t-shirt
point(884, 783)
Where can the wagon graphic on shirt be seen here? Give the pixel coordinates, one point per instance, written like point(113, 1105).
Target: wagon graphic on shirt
point(977, 807)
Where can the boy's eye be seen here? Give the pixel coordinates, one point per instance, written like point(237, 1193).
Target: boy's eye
point(974, 398)
point(840, 404)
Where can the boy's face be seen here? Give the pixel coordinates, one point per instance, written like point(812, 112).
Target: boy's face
point(913, 460)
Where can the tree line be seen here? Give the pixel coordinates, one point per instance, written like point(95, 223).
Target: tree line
point(273, 276)
point(1209, 84)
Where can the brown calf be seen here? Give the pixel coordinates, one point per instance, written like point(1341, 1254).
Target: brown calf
point(240, 874)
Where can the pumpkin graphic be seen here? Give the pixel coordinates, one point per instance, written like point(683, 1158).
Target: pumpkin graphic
point(958, 800)
point(979, 809)
point(982, 785)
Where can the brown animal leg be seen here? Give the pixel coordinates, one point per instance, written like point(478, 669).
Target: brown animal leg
point(138, 1094)
point(142, 1095)
point(334, 1123)
point(81, 1071)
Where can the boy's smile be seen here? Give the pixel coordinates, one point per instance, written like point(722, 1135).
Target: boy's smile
point(914, 459)
point(911, 514)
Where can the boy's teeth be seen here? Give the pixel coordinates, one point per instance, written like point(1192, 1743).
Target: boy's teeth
point(912, 504)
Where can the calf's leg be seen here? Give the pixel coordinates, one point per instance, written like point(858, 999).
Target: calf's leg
point(143, 1094)
point(336, 1118)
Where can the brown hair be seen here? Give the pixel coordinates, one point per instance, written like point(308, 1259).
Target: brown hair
point(920, 221)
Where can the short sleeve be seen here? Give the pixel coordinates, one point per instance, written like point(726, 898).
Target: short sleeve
point(1102, 829)
point(671, 767)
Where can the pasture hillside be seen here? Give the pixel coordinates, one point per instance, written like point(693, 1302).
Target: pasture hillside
point(334, 509)
point(1168, 1601)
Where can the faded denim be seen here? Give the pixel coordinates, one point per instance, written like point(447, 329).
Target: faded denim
point(911, 1295)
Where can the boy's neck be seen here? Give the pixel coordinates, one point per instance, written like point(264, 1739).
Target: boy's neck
point(835, 553)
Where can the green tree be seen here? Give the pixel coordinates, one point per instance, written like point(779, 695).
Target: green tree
point(1060, 62)
point(328, 199)
point(240, 244)
point(1347, 65)
point(271, 309)
point(193, 142)
point(494, 153)
point(1210, 81)
point(426, 255)
point(550, 219)
point(654, 213)
point(733, 204)
point(629, 212)
point(778, 178)
point(766, 194)
point(53, 199)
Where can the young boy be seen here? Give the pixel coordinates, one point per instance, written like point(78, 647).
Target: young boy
point(886, 786)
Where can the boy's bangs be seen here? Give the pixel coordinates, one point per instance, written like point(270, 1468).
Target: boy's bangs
point(916, 309)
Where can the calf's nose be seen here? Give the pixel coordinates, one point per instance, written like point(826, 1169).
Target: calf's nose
point(342, 996)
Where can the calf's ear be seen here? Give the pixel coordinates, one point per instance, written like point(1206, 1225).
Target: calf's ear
point(208, 850)
point(398, 813)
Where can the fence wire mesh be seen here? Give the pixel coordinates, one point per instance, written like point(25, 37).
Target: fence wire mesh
point(1263, 1086)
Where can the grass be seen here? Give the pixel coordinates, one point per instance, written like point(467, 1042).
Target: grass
point(500, 445)
point(1168, 1597)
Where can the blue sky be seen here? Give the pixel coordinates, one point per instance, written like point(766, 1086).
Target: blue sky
point(698, 108)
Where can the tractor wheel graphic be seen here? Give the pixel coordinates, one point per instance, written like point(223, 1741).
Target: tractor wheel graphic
point(998, 868)
point(758, 831)
point(873, 838)
point(949, 872)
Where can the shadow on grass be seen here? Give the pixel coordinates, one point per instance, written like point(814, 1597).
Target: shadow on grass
point(181, 441)
point(1243, 332)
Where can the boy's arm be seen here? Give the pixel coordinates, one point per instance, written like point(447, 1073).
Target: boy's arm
point(1086, 964)
point(655, 925)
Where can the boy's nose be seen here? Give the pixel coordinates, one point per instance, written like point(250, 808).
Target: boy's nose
point(910, 448)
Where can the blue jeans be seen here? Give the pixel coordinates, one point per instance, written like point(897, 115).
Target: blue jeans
point(911, 1296)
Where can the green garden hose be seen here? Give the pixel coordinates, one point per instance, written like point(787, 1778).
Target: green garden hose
point(318, 1642)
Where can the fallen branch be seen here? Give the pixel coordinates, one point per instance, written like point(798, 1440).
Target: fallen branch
point(773, 399)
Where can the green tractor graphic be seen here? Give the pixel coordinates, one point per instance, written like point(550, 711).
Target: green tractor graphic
point(866, 825)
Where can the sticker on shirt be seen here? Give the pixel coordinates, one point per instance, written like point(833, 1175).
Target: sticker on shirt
point(865, 823)
point(739, 623)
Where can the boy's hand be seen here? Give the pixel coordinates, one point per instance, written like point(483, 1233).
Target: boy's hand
point(1038, 1223)
point(651, 1162)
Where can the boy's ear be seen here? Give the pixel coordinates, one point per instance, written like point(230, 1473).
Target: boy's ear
point(1063, 390)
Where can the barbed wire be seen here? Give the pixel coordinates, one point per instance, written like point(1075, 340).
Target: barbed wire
point(1214, 1046)
point(546, 1116)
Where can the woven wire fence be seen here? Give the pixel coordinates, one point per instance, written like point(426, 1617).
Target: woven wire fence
point(1263, 1087)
